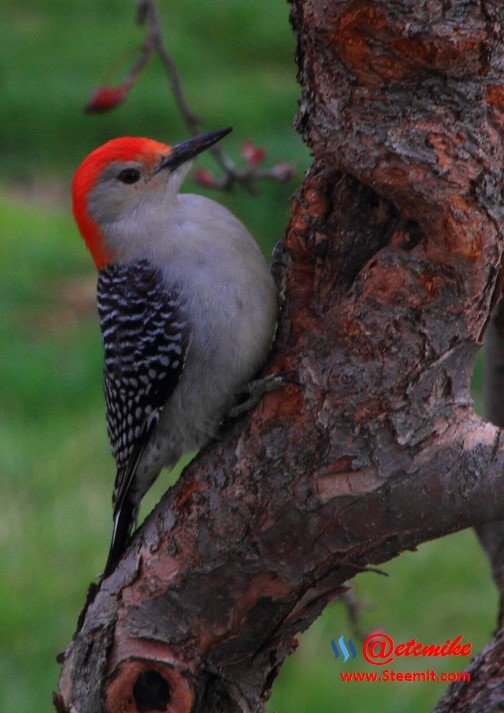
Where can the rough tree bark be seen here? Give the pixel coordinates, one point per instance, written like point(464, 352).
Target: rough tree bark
point(492, 534)
point(485, 690)
point(395, 244)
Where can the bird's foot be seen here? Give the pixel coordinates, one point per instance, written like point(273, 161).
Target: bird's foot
point(255, 390)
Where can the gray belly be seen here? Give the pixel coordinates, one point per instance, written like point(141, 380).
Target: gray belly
point(225, 353)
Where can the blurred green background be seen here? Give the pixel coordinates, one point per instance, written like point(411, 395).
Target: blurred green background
point(236, 60)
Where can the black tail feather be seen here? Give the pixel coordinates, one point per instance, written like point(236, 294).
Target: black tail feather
point(123, 524)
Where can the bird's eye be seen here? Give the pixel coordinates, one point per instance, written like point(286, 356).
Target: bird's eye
point(129, 175)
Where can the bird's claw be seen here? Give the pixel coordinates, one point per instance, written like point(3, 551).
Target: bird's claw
point(257, 388)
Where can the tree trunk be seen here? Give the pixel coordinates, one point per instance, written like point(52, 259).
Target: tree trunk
point(492, 534)
point(395, 247)
point(484, 693)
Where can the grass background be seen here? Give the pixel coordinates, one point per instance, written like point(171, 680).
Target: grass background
point(236, 59)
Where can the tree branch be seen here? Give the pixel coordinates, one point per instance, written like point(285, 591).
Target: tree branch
point(492, 534)
point(395, 244)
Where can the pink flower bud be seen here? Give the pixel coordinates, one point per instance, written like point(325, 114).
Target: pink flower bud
point(253, 154)
point(204, 178)
point(106, 98)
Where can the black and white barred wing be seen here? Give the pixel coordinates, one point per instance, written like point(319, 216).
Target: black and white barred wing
point(145, 338)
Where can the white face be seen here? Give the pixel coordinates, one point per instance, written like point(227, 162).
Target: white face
point(125, 187)
point(132, 201)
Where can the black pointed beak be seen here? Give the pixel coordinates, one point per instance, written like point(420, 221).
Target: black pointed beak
point(192, 147)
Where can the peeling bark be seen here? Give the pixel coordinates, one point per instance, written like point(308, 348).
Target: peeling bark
point(395, 246)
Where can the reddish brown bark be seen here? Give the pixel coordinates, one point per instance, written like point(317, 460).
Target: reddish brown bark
point(395, 245)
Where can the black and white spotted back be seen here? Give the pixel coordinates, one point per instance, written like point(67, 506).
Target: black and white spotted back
point(145, 338)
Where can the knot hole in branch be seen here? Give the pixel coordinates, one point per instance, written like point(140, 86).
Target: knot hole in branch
point(151, 692)
point(357, 224)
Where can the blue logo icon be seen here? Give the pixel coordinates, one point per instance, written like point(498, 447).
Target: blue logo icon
point(344, 650)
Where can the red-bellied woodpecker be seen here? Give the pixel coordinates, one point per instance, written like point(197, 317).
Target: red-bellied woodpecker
point(187, 308)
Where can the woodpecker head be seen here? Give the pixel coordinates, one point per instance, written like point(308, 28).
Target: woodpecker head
point(126, 181)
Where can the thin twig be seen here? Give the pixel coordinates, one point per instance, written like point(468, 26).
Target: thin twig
point(154, 41)
point(147, 10)
point(353, 608)
point(138, 66)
